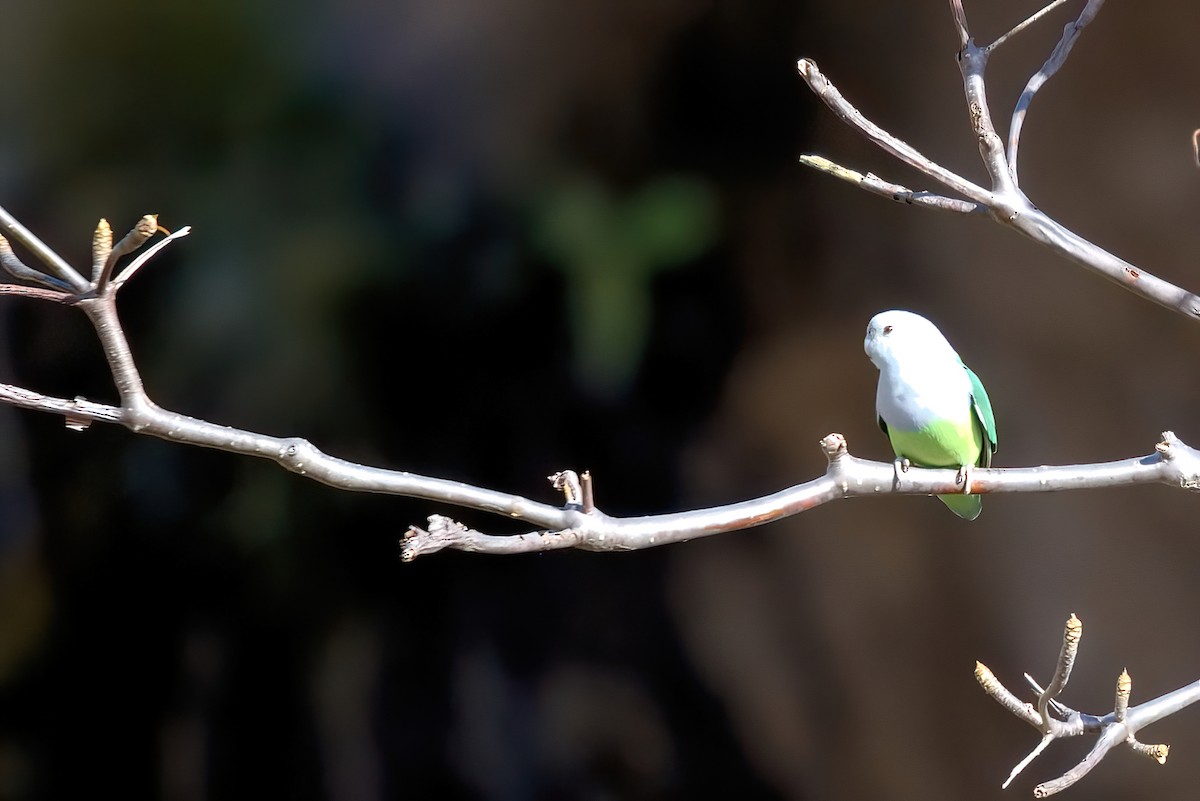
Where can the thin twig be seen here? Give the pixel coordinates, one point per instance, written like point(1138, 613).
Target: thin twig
point(19, 270)
point(1062, 670)
point(37, 293)
point(1020, 766)
point(829, 93)
point(901, 194)
point(960, 22)
point(1023, 25)
point(1057, 58)
point(141, 260)
point(58, 266)
point(145, 228)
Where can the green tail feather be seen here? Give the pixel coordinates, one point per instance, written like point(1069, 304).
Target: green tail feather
point(967, 507)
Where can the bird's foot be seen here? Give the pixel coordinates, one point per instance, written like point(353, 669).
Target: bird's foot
point(964, 478)
point(901, 465)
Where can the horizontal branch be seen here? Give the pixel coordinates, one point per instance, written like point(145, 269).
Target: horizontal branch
point(1173, 463)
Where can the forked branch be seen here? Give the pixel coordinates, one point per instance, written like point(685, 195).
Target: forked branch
point(1056, 721)
point(1003, 201)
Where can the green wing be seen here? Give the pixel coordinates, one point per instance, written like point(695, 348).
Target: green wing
point(983, 413)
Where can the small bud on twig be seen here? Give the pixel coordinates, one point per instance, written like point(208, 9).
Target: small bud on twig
point(1124, 687)
point(102, 246)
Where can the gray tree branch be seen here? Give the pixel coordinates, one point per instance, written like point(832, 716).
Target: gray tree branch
point(1004, 201)
point(1114, 728)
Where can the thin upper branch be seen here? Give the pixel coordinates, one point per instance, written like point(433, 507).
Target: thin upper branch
point(1020, 26)
point(1004, 202)
point(58, 266)
point(1057, 58)
point(901, 194)
point(905, 152)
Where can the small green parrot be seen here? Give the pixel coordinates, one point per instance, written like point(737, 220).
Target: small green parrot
point(933, 408)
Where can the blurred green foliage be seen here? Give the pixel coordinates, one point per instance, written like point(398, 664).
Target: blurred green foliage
point(611, 248)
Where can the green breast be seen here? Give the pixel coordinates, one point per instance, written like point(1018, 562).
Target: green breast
point(946, 443)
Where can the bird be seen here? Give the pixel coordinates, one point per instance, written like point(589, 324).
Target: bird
point(932, 407)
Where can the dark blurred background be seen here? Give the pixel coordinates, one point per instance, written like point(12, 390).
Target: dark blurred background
point(491, 240)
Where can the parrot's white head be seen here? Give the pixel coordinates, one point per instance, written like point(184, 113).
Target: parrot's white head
point(900, 336)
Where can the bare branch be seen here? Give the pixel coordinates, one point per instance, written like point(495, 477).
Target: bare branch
point(1062, 671)
point(1005, 202)
point(897, 147)
point(1023, 25)
point(960, 22)
point(1119, 726)
point(972, 62)
point(1110, 738)
point(992, 686)
point(579, 524)
point(52, 295)
point(57, 265)
point(1057, 58)
point(901, 194)
point(446, 533)
point(141, 260)
point(19, 270)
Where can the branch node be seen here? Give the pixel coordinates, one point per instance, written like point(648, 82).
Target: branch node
point(834, 447)
point(567, 482)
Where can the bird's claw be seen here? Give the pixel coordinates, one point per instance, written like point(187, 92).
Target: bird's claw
point(964, 478)
point(901, 465)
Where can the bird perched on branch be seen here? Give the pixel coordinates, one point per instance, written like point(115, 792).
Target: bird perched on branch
point(933, 408)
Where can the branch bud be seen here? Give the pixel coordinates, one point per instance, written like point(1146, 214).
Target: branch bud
point(102, 245)
point(1124, 687)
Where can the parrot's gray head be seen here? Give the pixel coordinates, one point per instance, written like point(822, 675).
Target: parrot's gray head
point(899, 335)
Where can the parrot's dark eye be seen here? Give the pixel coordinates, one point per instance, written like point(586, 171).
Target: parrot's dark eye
point(887, 329)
